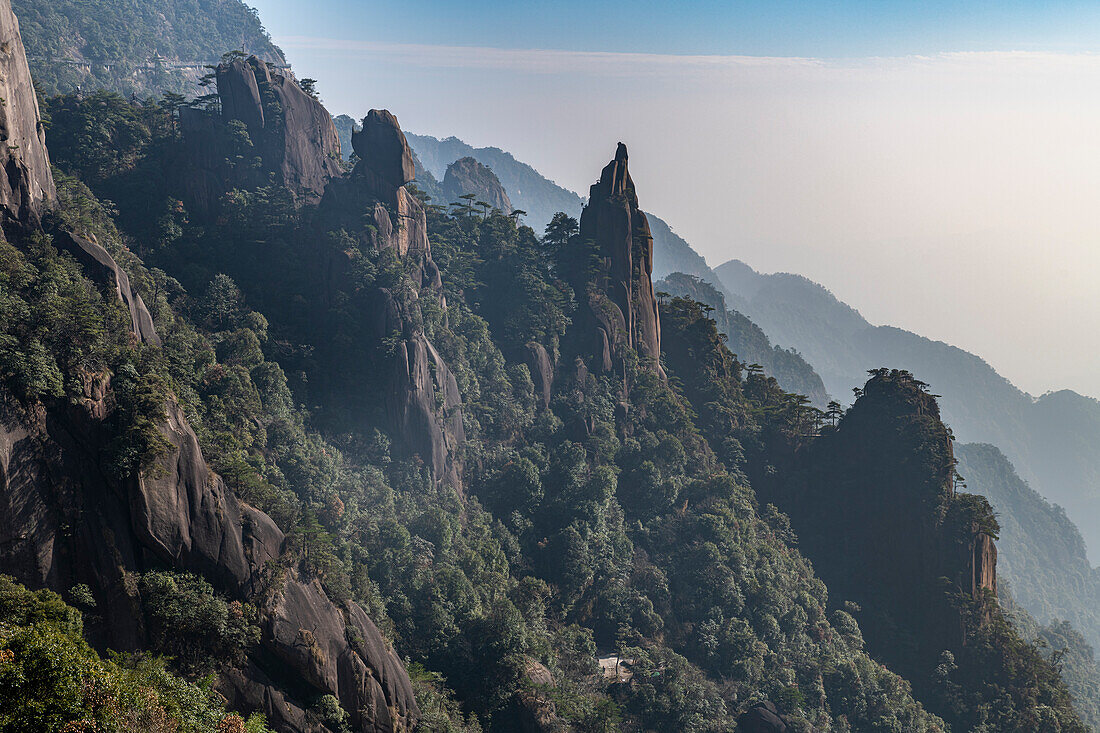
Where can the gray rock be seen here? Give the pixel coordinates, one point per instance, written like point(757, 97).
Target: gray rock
point(291, 133)
point(27, 184)
point(65, 519)
point(382, 147)
point(100, 266)
point(626, 310)
point(466, 176)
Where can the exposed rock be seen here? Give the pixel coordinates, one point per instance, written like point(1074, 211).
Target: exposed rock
point(422, 401)
point(377, 187)
point(340, 651)
point(542, 371)
point(383, 149)
point(875, 508)
point(65, 519)
point(27, 184)
point(621, 310)
point(290, 132)
point(466, 176)
point(101, 267)
point(762, 717)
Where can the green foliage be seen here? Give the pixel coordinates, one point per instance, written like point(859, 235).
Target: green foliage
point(70, 43)
point(52, 680)
point(188, 622)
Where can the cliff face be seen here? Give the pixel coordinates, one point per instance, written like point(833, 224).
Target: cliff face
point(373, 206)
point(621, 310)
point(288, 131)
point(468, 176)
point(65, 519)
point(27, 183)
point(875, 508)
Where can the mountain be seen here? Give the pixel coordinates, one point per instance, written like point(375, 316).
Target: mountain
point(307, 447)
point(1042, 553)
point(747, 341)
point(542, 198)
point(467, 177)
point(1050, 440)
point(142, 47)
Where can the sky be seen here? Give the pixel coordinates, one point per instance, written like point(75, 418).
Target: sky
point(935, 164)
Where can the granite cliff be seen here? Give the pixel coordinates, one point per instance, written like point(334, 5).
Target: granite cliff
point(268, 131)
point(619, 315)
point(68, 517)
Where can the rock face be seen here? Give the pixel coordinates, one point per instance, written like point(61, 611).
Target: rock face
point(875, 508)
point(763, 717)
point(101, 267)
point(64, 520)
point(621, 310)
point(27, 183)
point(288, 130)
point(377, 186)
point(468, 176)
point(422, 402)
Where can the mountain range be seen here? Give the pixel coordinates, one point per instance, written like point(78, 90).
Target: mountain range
point(290, 443)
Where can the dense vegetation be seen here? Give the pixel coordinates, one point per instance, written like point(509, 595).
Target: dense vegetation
point(617, 519)
point(52, 680)
point(113, 44)
point(747, 340)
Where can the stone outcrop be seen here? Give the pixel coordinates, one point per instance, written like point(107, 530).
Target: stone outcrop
point(376, 187)
point(288, 130)
point(27, 184)
point(468, 176)
point(422, 402)
point(66, 519)
point(620, 309)
point(101, 267)
point(763, 717)
point(874, 505)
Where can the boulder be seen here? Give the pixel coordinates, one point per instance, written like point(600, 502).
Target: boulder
point(762, 717)
point(383, 149)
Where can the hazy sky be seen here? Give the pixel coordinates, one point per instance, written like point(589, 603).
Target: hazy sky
point(936, 167)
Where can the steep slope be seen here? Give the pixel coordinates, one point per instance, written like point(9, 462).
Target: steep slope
point(1042, 553)
point(876, 509)
point(1050, 441)
point(288, 138)
point(748, 342)
point(27, 182)
point(142, 47)
point(621, 317)
point(103, 482)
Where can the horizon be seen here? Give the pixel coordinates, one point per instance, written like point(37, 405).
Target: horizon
point(946, 190)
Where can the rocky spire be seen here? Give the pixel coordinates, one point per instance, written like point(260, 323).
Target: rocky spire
point(619, 231)
point(27, 184)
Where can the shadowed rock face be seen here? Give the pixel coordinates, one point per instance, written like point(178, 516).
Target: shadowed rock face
point(875, 508)
point(101, 267)
point(65, 519)
point(27, 184)
point(622, 309)
point(290, 132)
point(466, 176)
point(375, 190)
